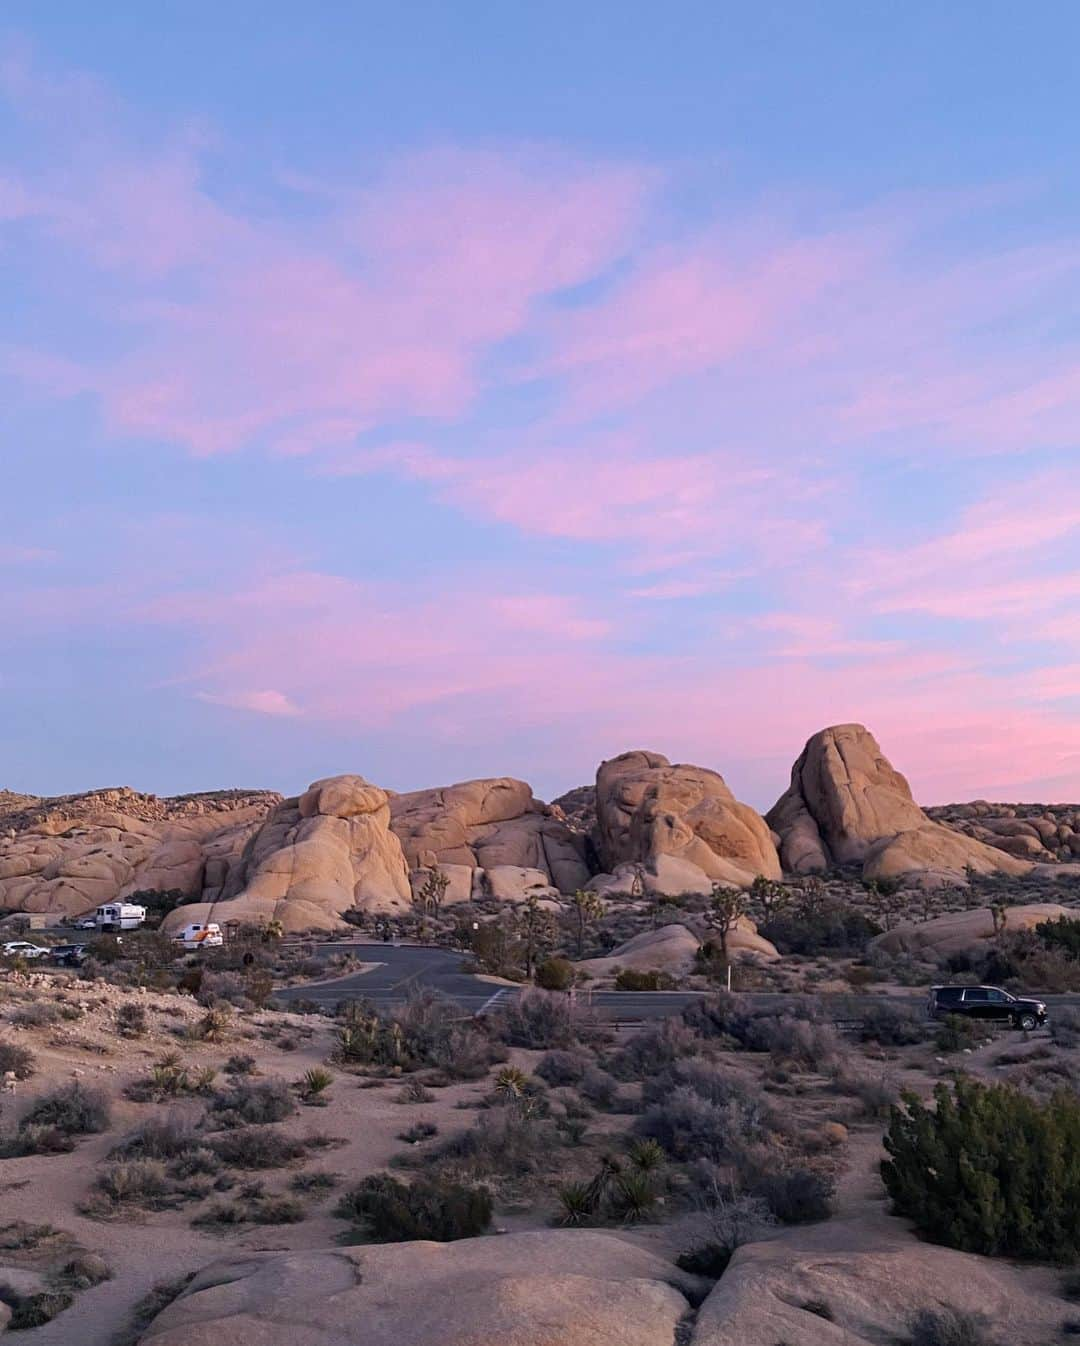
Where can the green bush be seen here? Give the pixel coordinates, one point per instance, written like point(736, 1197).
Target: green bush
point(629, 980)
point(17, 1059)
point(1062, 934)
point(956, 1034)
point(73, 1110)
point(947, 1327)
point(988, 1170)
point(392, 1212)
point(555, 974)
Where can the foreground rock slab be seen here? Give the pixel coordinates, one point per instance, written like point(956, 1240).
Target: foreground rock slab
point(870, 1284)
point(547, 1288)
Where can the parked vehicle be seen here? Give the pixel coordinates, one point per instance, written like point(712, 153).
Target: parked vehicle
point(85, 923)
point(989, 1004)
point(200, 936)
point(68, 955)
point(20, 948)
point(119, 916)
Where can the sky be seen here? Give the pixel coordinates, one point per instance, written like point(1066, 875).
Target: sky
point(436, 391)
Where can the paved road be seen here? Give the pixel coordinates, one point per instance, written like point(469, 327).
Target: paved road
point(404, 969)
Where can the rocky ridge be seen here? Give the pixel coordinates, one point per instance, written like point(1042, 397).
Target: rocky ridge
point(647, 828)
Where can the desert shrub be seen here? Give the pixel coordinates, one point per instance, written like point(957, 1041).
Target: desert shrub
point(562, 1067)
point(20, 1061)
point(306, 1183)
point(891, 1025)
point(875, 1094)
point(414, 1091)
point(38, 1014)
point(631, 980)
point(834, 928)
point(727, 1219)
point(74, 1110)
point(390, 1211)
point(421, 1033)
point(504, 1143)
point(254, 1210)
point(798, 1042)
point(214, 1025)
point(709, 1017)
point(169, 1078)
point(147, 1309)
point(555, 974)
point(947, 1327)
point(1064, 1028)
point(84, 1270)
point(988, 1169)
point(158, 1138)
point(599, 1088)
point(241, 1064)
point(141, 1182)
point(256, 1147)
point(542, 1020)
point(131, 1019)
point(419, 1131)
point(795, 1195)
point(654, 1049)
point(692, 1123)
point(956, 1034)
point(1062, 934)
point(34, 1310)
point(253, 1103)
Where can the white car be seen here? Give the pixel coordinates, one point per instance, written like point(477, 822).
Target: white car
point(19, 948)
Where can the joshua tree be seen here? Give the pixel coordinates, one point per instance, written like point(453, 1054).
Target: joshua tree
point(587, 909)
point(536, 929)
point(768, 897)
point(726, 905)
point(432, 892)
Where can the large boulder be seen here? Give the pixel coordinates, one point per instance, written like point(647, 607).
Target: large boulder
point(847, 804)
point(673, 949)
point(651, 814)
point(488, 825)
point(960, 931)
point(314, 858)
point(545, 1288)
point(871, 1281)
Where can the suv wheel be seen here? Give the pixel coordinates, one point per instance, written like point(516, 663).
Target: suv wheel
point(1027, 1022)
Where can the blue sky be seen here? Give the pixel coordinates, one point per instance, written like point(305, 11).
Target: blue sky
point(432, 392)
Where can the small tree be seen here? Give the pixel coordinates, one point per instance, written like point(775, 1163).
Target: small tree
point(726, 906)
point(432, 892)
point(536, 931)
point(587, 910)
point(768, 898)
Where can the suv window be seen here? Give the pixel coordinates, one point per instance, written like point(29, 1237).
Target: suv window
point(998, 997)
point(978, 993)
point(949, 995)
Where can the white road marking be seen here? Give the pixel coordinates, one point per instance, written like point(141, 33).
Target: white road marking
point(492, 1000)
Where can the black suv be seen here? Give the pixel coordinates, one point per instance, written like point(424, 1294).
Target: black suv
point(989, 1003)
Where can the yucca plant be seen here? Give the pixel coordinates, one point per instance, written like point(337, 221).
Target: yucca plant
point(576, 1203)
point(214, 1025)
point(511, 1082)
point(314, 1084)
point(646, 1155)
point(634, 1196)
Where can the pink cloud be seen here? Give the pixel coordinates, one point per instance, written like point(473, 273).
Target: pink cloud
point(261, 703)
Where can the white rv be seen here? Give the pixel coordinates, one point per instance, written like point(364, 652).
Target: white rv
point(119, 916)
point(200, 936)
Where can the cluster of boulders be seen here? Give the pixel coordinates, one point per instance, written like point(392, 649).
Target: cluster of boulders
point(646, 828)
point(1037, 832)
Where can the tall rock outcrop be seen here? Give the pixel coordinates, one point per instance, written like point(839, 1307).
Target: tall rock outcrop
point(679, 826)
point(847, 804)
point(312, 859)
point(491, 828)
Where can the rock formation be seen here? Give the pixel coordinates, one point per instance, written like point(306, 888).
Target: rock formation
point(570, 1287)
point(847, 805)
point(512, 843)
point(69, 855)
point(675, 828)
point(959, 931)
point(314, 858)
point(673, 949)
